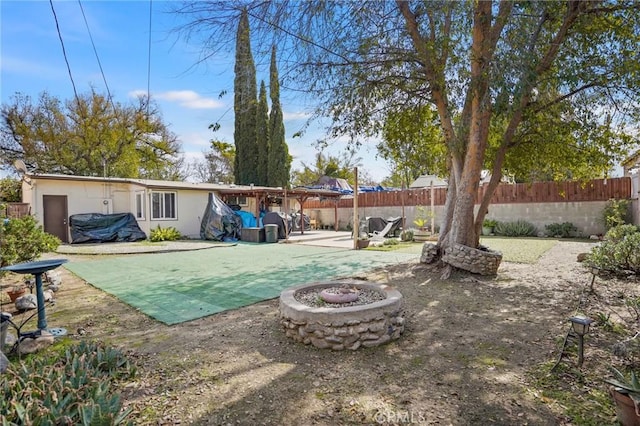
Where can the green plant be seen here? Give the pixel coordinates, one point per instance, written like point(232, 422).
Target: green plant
point(23, 240)
point(626, 385)
point(406, 235)
point(423, 217)
point(489, 223)
point(391, 242)
point(620, 232)
point(520, 228)
point(11, 190)
point(633, 306)
point(562, 230)
point(74, 387)
point(618, 253)
point(165, 234)
point(604, 321)
point(616, 213)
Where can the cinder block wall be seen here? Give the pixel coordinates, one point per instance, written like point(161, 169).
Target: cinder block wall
point(585, 215)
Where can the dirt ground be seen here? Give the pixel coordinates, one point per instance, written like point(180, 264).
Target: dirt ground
point(465, 357)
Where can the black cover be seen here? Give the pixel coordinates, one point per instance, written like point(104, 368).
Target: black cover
point(296, 222)
point(104, 228)
point(378, 224)
point(219, 222)
point(277, 218)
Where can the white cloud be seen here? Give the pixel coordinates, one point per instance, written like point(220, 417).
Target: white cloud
point(194, 140)
point(295, 115)
point(137, 93)
point(189, 99)
point(185, 98)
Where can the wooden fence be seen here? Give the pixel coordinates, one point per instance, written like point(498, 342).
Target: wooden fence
point(538, 192)
point(16, 210)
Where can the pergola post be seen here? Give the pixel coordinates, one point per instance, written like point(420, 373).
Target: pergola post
point(301, 200)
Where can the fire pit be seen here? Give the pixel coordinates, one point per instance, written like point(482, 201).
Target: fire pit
point(342, 314)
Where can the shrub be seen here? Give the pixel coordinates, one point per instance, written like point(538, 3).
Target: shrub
point(10, 190)
point(520, 228)
point(390, 242)
point(489, 223)
point(406, 235)
point(23, 240)
point(423, 217)
point(69, 388)
point(165, 234)
point(562, 230)
point(615, 213)
point(620, 232)
point(619, 252)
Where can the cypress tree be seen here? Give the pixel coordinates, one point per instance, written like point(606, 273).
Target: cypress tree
point(279, 160)
point(262, 130)
point(245, 107)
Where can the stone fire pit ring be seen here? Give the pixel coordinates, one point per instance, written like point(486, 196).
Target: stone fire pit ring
point(348, 327)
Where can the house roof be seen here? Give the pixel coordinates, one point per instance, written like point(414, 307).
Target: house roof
point(632, 159)
point(425, 181)
point(227, 189)
point(328, 182)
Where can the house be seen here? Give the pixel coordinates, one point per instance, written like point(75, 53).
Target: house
point(631, 169)
point(425, 181)
point(53, 198)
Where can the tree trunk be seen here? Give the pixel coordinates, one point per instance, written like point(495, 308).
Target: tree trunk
point(460, 228)
point(463, 230)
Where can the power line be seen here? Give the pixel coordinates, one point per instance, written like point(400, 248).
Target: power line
point(64, 52)
point(97, 57)
point(149, 60)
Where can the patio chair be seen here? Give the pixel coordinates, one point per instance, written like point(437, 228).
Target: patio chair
point(384, 232)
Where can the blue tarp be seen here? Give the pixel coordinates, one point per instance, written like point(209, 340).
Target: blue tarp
point(363, 188)
point(248, 220)
point(378, 188)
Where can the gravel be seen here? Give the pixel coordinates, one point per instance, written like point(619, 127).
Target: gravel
point(312, 298)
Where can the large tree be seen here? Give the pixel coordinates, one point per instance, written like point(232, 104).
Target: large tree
point(88, 136)
point(412, 142)
point(480, 64)
point(263, 132)
point(245, 106)
point(217, 165)
point(279, 159)
point(340, 166)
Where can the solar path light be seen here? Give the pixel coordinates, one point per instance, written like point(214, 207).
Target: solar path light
point(580, 325)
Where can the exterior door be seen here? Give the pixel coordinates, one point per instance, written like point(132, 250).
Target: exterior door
point(54, 210)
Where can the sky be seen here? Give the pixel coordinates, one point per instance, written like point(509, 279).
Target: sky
point(186, 91)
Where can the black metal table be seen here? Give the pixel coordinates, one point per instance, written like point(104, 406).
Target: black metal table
point(37, 268)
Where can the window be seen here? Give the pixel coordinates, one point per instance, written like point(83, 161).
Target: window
point(139, 204)
point(239, 200)
point(163, 205)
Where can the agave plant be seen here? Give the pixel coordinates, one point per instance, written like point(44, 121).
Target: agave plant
point(627, 385)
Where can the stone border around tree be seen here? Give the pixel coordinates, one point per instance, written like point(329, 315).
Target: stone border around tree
point(429, 253)
point(480, 260)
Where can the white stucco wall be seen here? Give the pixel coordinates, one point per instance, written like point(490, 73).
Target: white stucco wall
point(635, 195)
point(191, 206)
point(82, 197)
point(118, 197)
